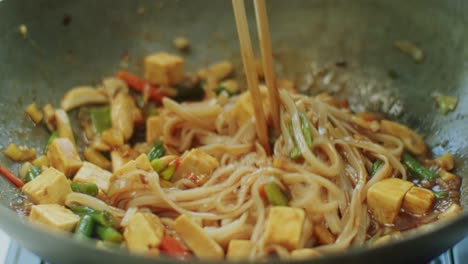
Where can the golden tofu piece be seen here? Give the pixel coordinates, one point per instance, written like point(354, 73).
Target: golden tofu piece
point(154, 129)
point(199, 242)
point(34, 113)
point(143, 232)
point(63, 156)
point(452, 211)
point(239, 249)
point(196, 162)
point(304, 253)
point(217, 71)
point(112, 137)
point(41, 161)
point(164, 68)
point(55, 216)
point(385, 198)
point(51, 186)
point(284, 226)
point(418, 201)
point(243, 109)
point(122, 115)
point(93, 174)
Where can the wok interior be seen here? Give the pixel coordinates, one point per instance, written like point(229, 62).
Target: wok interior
point(73, 43)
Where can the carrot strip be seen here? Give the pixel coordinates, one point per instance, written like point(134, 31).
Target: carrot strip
point(138, 84)
point(171, 247)
point(11, 177)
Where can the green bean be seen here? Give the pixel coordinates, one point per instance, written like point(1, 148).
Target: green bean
point(375, 167)
point(189, 92)
point(85, 226)
point(157, 151)
point(275, 195)
point(85, 187)
point(417, 168)
point(33, 173)
point(157, 165)
point(109, 234)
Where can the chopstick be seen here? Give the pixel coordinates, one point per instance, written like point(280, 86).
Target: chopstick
point(251, 72)
point(267, 59)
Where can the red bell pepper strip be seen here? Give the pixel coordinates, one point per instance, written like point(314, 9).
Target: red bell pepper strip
point(138, 84)
point(261, 192)
point(171, 247)
point(11, 177)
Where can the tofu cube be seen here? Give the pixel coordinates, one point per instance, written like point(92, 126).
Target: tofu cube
point(121, 180)
point(63, 156)
point(199, 242)
point(163, 68)
point(50, 187)
point(418, 201)
point(196, 162)
point(54, 216)
point(445, 161)
point(93, 174)
point(385, 198)
point(143, 232)
point(217, 71)
point(304, 253)
point(239, 249)
point(154, 129)
point(284, 226)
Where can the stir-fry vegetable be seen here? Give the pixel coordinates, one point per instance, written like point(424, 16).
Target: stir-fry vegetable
point(85, 187)
point(375, 167)
point(168, 172)
point(85, 227)
point(157, 151)
point(11, 177)
point(275, 195)
point(306, 130)
point(100, 118)
point(138, 84)
point(171, 247)
point(221, 89)
point(157, 165)
point(103, 218)
point(440, 194)
point(446, 103)
point(417, 168)
point(33, 173)
point(21, 153)
point(52, 136)
point(109, 234)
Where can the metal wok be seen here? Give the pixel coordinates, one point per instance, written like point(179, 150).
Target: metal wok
point(78, 42)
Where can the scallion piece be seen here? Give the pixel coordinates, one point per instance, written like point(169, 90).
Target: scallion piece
point(221, 89)
point(157, 151)
point(375, 167)
point(85, 227)
point(85, 187)
point(100, 118)
point(295, 153)
point(306, 129)
point(109, 234)
point(440, 194)
point(168, 172)
point(157, 165)
point(275, 195)
point(417, 168)
point(33, 173)
point(52, 136)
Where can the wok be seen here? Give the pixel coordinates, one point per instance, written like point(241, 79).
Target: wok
point(78, 42)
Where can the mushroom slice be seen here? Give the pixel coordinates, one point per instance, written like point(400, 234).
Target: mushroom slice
point(82, 95)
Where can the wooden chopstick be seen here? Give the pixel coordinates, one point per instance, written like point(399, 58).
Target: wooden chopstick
point(251, 72)
point(267, 59)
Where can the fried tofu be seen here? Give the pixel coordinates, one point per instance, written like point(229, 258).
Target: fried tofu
point(154, 129)
point(143, 232)
point(196, 162)
point(385, 198)
point(199, 242)
point(163, 68)
point(51, 186)
point(284, 226)
point(54, 216)
point(93, 174)
point(63, 156)
point(239, 249)
point(418, 201)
